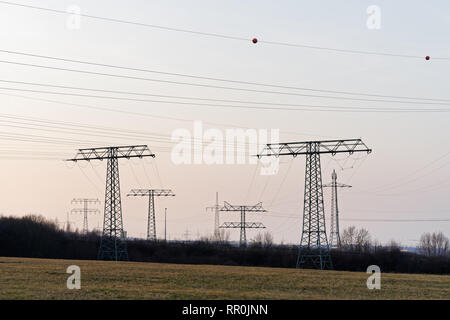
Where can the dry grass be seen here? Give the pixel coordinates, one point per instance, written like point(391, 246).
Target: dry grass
point(23, 278)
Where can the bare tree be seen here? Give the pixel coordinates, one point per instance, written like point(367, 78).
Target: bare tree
point(434, 244)
point(394, 245)
point(222, 236)
point(348, 237)
point(268, 239)
point(362, 240)
point(355, 239)
point(257, 241)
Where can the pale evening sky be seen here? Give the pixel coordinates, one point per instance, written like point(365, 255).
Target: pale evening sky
point(406, 177)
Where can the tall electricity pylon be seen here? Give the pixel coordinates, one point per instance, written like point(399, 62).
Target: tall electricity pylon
point(335, 239)
point(85, 210)
point(151, 194)
point(314, 251)
point(216, 209)
point(243, 225)
point(113, 242)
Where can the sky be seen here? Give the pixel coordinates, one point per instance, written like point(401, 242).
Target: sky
point(407, 176)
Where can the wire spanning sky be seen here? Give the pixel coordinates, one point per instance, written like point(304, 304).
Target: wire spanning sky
point(316, 72)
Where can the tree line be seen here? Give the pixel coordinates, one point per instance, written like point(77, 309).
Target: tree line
point(37, 237)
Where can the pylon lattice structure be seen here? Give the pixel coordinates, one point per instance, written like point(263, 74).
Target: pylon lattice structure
point(151, 194)
point(113, 241)
point(85, 210)
point(335, 239)
point(216, 210)
point(314, 250)
point(243, 225)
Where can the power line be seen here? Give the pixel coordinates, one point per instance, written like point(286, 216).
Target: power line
point(184, 97)
point(413, 180)
point(407, 178)
point(370, 220)
point(205, 99)
point(74, 129)
point(291, 87)
point(141, 114)
point(281, 184)
point(399, 220)
point(48, 140)
point(212, 86)
point(127, 22)
point(223, 36)
point(423, 189)
point(306, 107)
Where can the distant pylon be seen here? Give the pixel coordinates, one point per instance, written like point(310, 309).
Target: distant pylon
point(243, 225)
point(165, 224)
point(151, 194)
point(335, 239)
point(186, 234)
point(66, 225)
point(85, 210)
point(216, 209)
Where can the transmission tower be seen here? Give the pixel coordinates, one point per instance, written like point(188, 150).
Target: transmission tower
point(85, 210)
point(112, 245)
point(151, 194)
point(243, 225)
point(314, 251)
point(335, 239)
point(186, 235)
point(216, 209)
point(66, 224)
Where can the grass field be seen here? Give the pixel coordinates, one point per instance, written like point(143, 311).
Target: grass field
point(23, 278)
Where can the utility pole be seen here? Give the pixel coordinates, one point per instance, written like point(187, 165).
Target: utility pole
point(335, 239)
point(216, 209)
point(113, 242)
point(67, 224)
point(165, 224)
point(151, 194)
point(243, 225)
point(85, 210)
point(314, 251)
point(186, 235)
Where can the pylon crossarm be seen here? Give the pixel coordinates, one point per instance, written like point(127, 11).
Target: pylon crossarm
point(80, 210)
point(325, 146)
point(139, 151)
point(338, 185)
point(148, 192)
point(248, 225)
point(256, 208)
point(82, 201)
point(342, 185)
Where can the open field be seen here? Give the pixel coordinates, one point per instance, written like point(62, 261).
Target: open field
point(23, 278)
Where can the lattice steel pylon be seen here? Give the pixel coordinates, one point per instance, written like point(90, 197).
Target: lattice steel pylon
point(335, 239)
point(243, 225)
point(85, 210)
point(314, 251)
point(151, 194)
point(113, 242)
point(216, 210)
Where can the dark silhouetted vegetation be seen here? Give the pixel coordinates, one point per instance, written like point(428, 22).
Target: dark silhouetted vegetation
point(33, 236)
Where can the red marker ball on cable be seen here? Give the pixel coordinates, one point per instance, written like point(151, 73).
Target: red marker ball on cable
point(427, 58)
point(254, 40)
